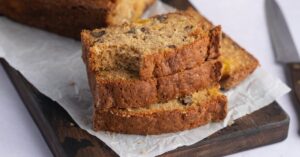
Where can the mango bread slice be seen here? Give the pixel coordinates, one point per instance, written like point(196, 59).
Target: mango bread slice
point(200, 108)
point(155, 47)
point(120, 89)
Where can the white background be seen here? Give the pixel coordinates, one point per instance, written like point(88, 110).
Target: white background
point(244, 20)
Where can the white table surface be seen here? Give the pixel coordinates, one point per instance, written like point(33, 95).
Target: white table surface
point(244, 20)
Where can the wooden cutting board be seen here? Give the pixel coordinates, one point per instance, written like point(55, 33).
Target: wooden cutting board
point(65, 139)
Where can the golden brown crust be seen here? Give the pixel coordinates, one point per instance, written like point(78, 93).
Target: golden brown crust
point(67, 17)
point(215, 109)
point(120, 93)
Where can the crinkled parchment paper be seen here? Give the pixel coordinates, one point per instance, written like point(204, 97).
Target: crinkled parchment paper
point(53, 65)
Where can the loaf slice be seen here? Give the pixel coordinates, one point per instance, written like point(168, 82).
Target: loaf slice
point(205, 106)
point(154, 47)
point(69, 17)
point(120, 89)
point(238, 63)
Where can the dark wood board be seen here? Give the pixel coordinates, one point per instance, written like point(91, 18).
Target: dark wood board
point(65, 139)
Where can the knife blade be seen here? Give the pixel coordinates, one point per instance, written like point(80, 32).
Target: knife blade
point(283, 44)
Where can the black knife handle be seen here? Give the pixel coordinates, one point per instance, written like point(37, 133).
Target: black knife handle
point(295, 76)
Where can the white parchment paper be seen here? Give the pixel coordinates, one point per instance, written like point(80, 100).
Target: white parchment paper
point(53, 65)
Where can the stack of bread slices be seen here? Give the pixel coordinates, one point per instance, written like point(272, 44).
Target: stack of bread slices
point(160, 75)
point(152, 76)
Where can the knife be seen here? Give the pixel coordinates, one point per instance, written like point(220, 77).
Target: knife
point(283, 44)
